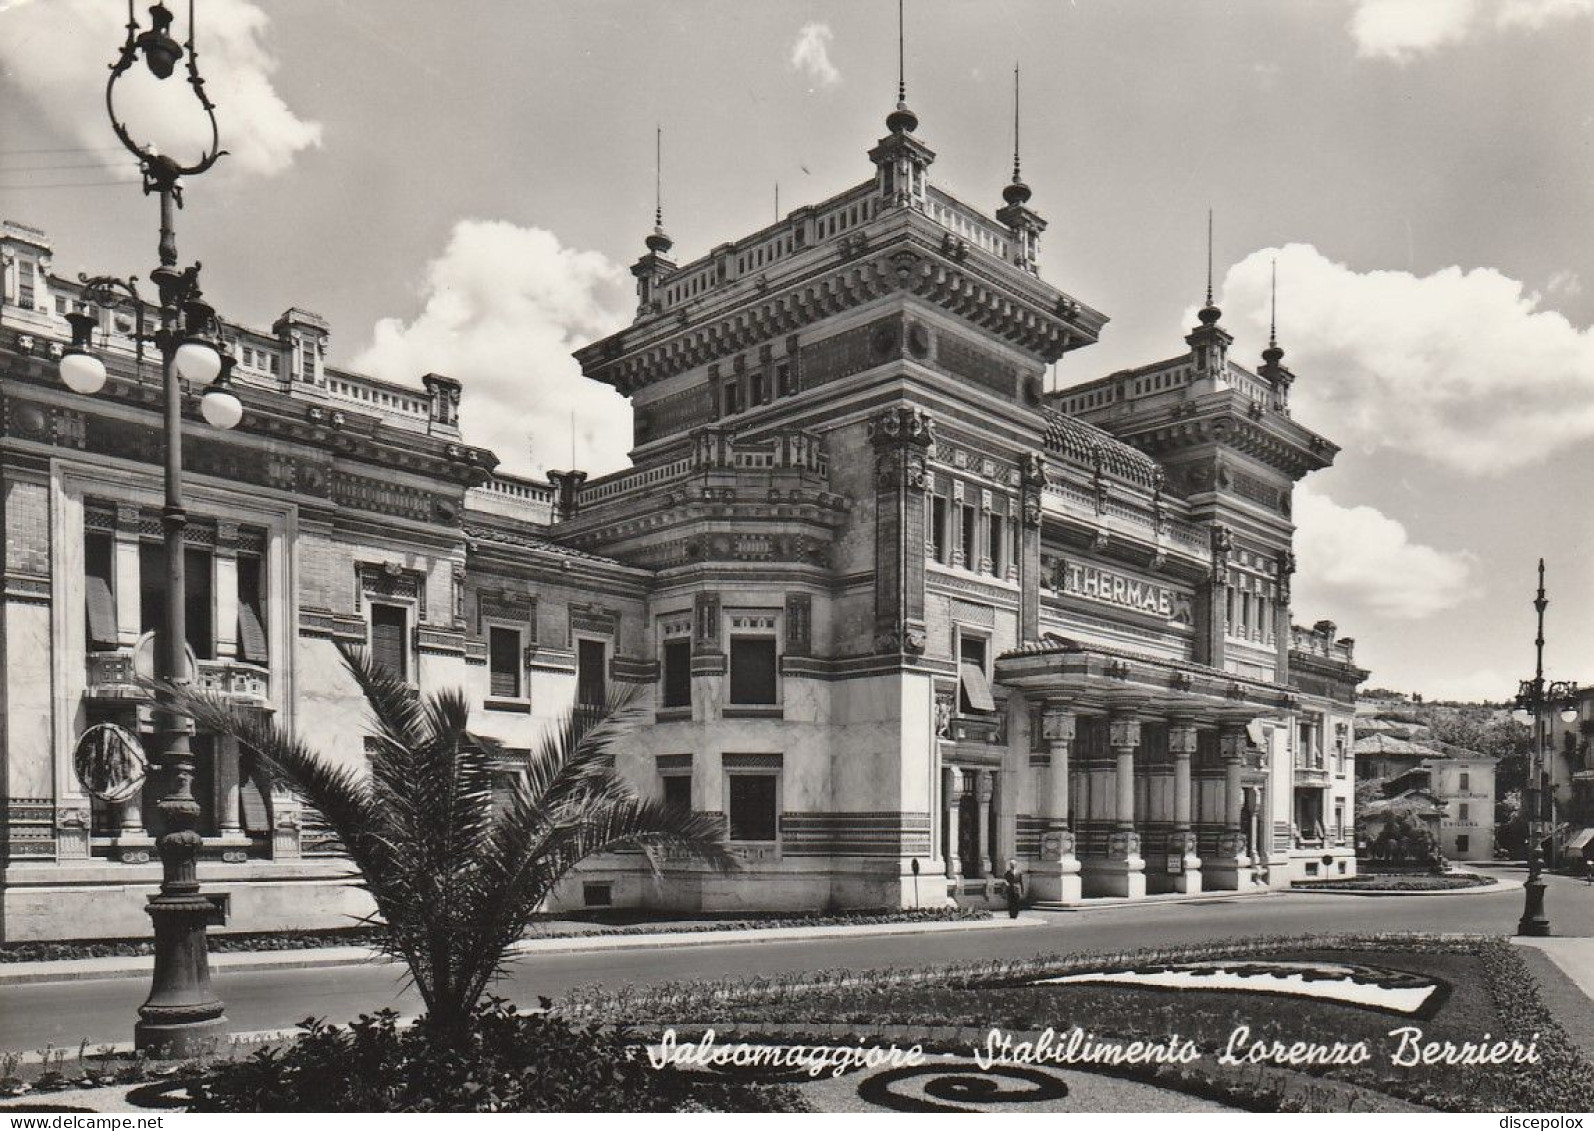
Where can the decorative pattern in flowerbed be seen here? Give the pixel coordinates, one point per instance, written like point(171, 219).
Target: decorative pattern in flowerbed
point(1380, 1022)
point(1410, 881)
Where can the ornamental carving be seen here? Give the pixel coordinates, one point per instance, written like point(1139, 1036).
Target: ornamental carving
point(1182, 740)
point(1123, 733)
point(1122, 845)
point(904, 425)
point(1058, 725)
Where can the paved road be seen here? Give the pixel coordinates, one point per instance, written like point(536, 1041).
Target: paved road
point(104, 1011)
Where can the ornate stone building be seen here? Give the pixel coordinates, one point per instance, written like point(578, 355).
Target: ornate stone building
point(902, 614)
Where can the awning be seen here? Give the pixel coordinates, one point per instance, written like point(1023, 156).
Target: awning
point(975, 688)
point(1579, 839)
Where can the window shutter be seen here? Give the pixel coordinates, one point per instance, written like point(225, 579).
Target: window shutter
point(592, 682)
point(976, 691)
point(102, 613)
point(504, 661)
point(388, 646)
point(251, 617)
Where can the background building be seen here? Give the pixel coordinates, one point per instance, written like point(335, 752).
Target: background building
point(901, 613)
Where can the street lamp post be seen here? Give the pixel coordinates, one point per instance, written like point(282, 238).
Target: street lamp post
point(1533, 699)
point(181, 1015)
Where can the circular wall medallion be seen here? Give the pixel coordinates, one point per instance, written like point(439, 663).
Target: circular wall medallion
point(110, 763)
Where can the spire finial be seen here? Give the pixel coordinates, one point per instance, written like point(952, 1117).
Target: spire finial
point(657, 241)
point(1273, 307)
point(1017, 192)
point(1273, 354)
point(1209, 257)
point(902, 74)
point(1209, 313)
point(901, 120)
point(1016, 177)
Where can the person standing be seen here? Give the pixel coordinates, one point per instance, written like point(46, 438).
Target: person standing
point(1015, 888)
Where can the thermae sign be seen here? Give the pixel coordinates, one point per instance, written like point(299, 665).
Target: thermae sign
point(1111, 588)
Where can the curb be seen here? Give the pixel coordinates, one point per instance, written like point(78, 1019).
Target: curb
point(101, 969)
point(1119, 903)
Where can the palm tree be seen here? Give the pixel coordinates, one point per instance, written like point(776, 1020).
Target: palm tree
point(456, 874)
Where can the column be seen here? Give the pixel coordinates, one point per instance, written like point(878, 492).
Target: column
point(951, 799)
point(1055, 878)
point(1027, 524)
point(1123, 872)
point(129, 615)
point(229, 790)
point(984, 787)
point(226, 592)
point(1231, 869)
point(1182, 748)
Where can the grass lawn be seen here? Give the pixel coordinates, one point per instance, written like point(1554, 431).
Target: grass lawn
point(1478, 990)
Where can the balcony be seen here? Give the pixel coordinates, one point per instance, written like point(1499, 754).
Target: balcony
point(114, 676)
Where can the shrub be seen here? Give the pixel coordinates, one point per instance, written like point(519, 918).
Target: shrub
point(504, 1061)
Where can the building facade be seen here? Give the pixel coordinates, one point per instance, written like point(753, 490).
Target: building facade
point(901, 615)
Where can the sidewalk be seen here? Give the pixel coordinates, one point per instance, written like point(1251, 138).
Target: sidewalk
point(85, 969)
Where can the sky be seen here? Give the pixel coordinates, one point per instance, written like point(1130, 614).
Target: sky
point(460, 188)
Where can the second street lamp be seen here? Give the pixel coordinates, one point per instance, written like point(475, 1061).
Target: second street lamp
point(1534, 699)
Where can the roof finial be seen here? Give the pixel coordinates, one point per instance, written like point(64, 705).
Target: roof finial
point(1016, 177)
point(1017, 192)
point(1273, 354)
point(1209, 313)
point(902, 74)
point(658, 242)
point(901, 120)
point(1273, 306)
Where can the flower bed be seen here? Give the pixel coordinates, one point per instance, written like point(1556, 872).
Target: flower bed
point(1395, 881)
point(1482, 987)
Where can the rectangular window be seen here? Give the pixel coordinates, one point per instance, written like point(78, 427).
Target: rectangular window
point(753, 666)
point(733, 398)
point(938, 527)
point(678, 791)
point(783, 379)
point(98, 558)
point(504, 662)
point(307, 361)
point(252, 610)
point(677, 690)
point(25, 284)
point(1465, 780)
point(199, 609)
point(753, 812)
point(1463, 842)
point(592, 676)
point(760, 389)
point(994, 536)
point(970, 537)
point(390, 646)
point(1339, 820)
point(151, 586)
point(1464, 812)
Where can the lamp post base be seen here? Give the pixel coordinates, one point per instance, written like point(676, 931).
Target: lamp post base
point(1533, 922)
point(181, 1039)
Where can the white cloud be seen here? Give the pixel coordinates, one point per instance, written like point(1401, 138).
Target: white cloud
point(1358, 560)
point(1401, 30)
point(1566, 284)
point(810, 55)
point(1461, 367)
point(504, 306)
point(57, 53)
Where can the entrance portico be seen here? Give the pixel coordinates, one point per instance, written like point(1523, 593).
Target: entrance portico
point(1147, 770)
